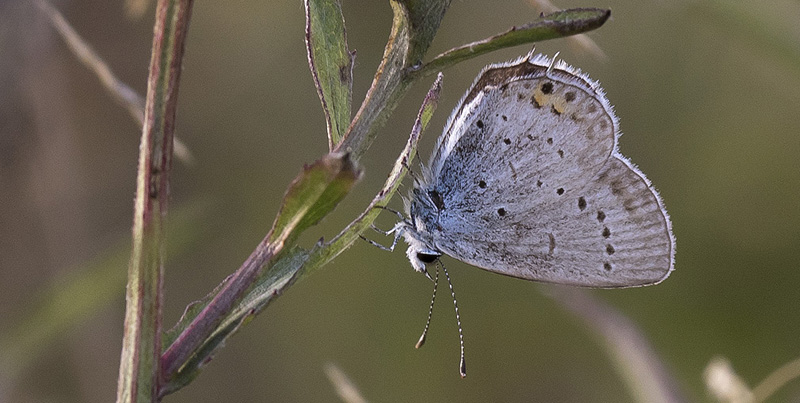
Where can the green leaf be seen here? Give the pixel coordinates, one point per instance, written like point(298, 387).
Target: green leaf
point(314, 194)
point(206, 324)
point(554, 25)
point(331, 64)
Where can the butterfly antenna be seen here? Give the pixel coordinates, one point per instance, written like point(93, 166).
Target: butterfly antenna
point(413, 174)
point(430, 310)
point(462, 366)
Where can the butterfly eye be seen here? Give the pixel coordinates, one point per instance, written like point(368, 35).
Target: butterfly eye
point(427, 258)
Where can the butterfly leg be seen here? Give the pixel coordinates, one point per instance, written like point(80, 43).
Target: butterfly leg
point(394, 231)
point(391, 210)
point(383, 247)
point(380, 231)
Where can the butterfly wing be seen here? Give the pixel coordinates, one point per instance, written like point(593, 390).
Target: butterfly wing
point(532, 185)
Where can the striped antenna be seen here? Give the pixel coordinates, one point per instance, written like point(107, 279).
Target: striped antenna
point(430, 311)
point(462, 366)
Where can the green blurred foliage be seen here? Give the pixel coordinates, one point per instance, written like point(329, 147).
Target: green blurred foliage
point(707, 94)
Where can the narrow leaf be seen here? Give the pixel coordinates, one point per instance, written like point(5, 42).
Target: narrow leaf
point(311, 196)
point(554, 25)
point(331, 64)
point(414, 25)
point(314, 194)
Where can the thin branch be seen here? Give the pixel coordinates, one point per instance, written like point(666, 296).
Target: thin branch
point(724, 384)
point(776, 380)
point(645, 374)
point(125, 96)
point(212, 315)
point(345, 388)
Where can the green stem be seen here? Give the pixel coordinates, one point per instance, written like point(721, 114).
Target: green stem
point(141, 346)
point(125, 96)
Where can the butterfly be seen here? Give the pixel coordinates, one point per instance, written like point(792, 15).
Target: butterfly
point(527, 181)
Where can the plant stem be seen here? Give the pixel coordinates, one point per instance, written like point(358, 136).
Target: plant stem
point(141, 345)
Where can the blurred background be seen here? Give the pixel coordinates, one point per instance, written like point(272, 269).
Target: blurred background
point(707, 94)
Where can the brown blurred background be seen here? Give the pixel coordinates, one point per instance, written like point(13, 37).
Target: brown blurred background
point(707, 94)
